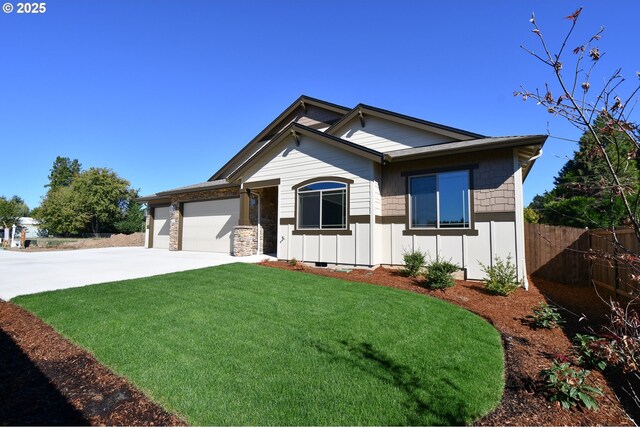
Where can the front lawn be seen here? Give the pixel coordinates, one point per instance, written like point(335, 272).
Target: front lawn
point(244, 344)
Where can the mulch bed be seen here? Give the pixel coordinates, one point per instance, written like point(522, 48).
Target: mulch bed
point(46, 380)
point(527, 351)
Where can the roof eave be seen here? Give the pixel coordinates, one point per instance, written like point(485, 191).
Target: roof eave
point(533, 140)
point(406, 120)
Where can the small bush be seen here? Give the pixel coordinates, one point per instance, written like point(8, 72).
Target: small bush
point(502, 277)
point(413, 262)
point(592, 352)
point(566, 385)
point(292, 262)
point(545, 316)
point(439, 274)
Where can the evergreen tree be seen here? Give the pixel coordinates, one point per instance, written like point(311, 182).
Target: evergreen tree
point(62, 172)
point(585, 194)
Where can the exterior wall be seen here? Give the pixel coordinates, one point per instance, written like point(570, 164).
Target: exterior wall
point(384, 135)
point(494, 189)
point(293, 164)
point(494, 214)
point(175, 216)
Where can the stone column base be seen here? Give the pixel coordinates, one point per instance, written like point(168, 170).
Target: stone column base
point(245, 240)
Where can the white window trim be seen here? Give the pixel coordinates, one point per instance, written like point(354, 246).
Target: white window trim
point(346, 205)
point(437, 226)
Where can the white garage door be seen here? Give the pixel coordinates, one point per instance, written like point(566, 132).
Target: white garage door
point(208, 226)
point(161, 228)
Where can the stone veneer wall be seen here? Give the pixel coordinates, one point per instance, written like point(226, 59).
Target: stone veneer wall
point(174, 216)
point(493, 181)
point(245, 240)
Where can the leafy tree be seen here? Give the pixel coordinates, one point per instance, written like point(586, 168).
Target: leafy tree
point(10, 210)
point(94, 202)
point(531, 216)
point(62, 172)
point(134, 218)
point(61, 212)
point(585, 195)
point(102, 196)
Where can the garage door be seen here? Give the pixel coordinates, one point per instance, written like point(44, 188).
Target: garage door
point(208, 226)
point(161, 228)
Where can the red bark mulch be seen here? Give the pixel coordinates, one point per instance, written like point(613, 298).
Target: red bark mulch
point(46, 380)
point(527, 351)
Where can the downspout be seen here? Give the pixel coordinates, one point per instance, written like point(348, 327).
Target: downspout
point(520, 220)
point(537, 156)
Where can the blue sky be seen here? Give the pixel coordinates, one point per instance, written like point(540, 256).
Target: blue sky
point(165, 92)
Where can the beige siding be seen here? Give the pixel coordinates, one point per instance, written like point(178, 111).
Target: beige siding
point(294, 164)
point(383, 135)
point(493, 239)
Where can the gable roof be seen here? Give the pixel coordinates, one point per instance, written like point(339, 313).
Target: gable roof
point(303, 101)
point(362, 109)
point(295, 130)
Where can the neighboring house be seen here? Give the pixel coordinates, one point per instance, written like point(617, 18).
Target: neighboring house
point(31, 225)
point(328, 184)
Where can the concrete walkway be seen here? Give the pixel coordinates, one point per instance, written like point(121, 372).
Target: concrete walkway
point(24, 273)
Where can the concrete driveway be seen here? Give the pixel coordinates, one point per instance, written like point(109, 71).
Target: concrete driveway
point(24, 273)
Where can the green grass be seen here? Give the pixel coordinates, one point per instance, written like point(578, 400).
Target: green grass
point(244, 344)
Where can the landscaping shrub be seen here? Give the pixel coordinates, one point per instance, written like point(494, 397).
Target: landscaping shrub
point(502, 277)
point(439, 274)
point(414, 262)
point(545, 316)
point(566, 385)
point(592, 352)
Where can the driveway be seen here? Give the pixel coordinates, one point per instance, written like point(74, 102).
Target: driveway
point(24, 273)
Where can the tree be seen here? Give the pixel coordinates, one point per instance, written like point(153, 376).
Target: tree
point(531, 216)
point(134, 218)
point(11, 210)
point(61, 213)
point(62, 172)
point(103, 197)
point(94, 202)
point(584, 194)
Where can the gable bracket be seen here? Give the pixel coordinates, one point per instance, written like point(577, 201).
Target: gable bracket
point(361, 116)
point(296, 135)
point(303, 105)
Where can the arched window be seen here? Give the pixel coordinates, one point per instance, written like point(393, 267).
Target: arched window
point(322, 205)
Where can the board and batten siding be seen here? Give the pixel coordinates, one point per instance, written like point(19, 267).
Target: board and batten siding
point(495, 238)
point(293, 164)
point(384, 136)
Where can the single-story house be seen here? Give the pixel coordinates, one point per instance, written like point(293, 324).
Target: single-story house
point(359, 186)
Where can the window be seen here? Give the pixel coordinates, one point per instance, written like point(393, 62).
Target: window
point(322, 205)
point(440, 200)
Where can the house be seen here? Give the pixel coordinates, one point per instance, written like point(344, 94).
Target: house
point(31, 226)
point(356, 186)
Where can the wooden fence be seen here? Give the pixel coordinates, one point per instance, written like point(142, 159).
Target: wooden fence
point(576, 256)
